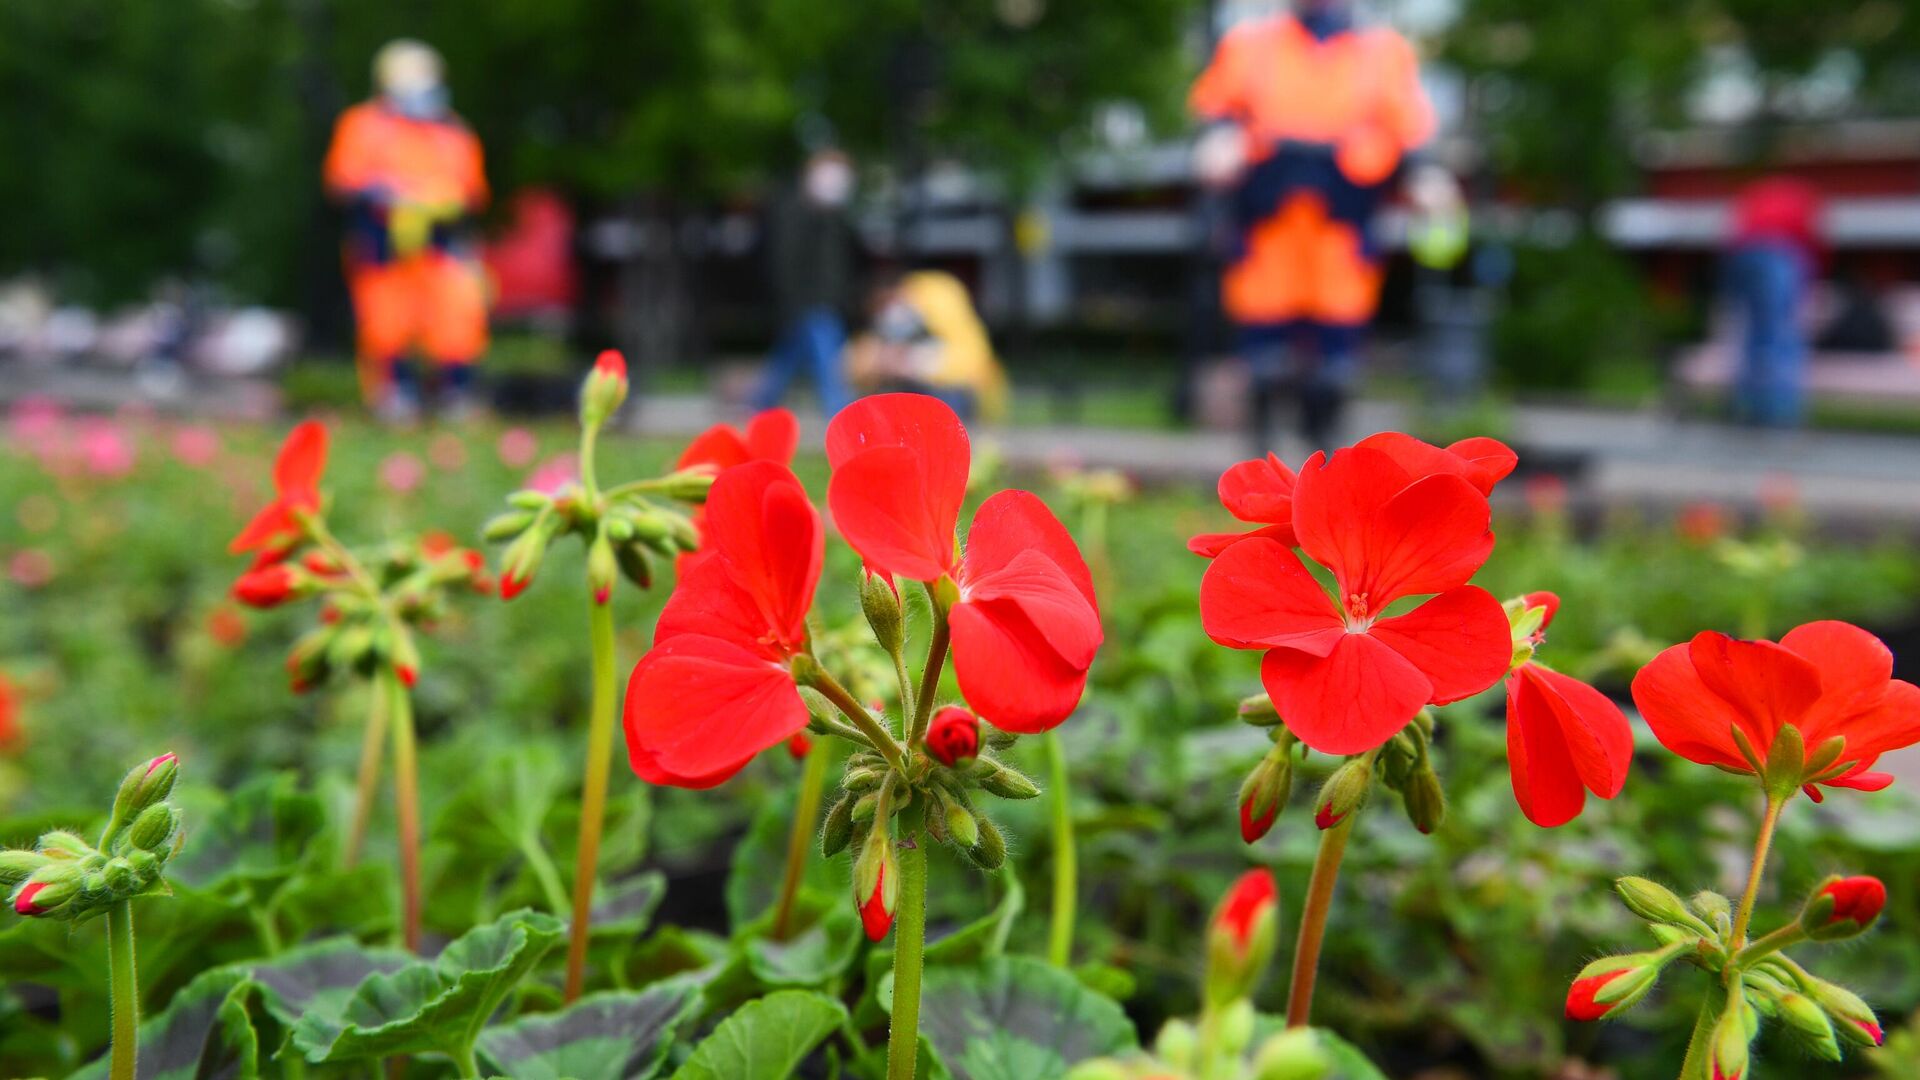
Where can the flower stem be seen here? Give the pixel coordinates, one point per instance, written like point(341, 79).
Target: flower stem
point(806, 814)
point(1313, 919)
point(593, 798)
point(1065, 875)
point(1761, 844)
point(372, 741)
point(1694, 1067)
point(1762, 947)
point(463, 1061)
point(930, 675)
point(123, 991)
point(406, 799)
point(875, 732)
point(909, 939)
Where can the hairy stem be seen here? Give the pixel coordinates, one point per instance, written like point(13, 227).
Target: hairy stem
point(806, 815)
point(930, 675)
point(1313, 919)
point(874, 731)
point(909, 939)
point(1065, 870)
point(1695, 1067)
point(593, 798)
point(406, 799)
point(123, 991)
point(372, 743)
point(1761, 844)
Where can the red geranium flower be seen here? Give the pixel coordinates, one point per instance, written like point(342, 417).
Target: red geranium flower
point(1564, 738)
point(1026, 626)
point(716, 688)
point(1260, 492)
point(1343, 675)
point(1828, 679)
point(770, 436)
point(296, 483)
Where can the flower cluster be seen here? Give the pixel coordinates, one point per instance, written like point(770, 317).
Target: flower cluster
point(64, 877)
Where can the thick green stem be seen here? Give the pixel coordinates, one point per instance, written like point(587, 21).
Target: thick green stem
point(806, 815)
point(909, 939)
point(372, 742)
point(593, 799)
point(124, 991)
point(1313, 919)
point(1065, 876)
point(1761, 844)
point(1761, 948)
point(464, 1062)
point(406, 799)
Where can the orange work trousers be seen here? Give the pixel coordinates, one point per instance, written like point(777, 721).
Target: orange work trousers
point(432, 303)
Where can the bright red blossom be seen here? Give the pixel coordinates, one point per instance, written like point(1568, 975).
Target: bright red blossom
point(953, 736)
point(1564, 738)
point(1260, 492)
point(770, 436)
point(611, 364)
point(1344, 675)
point(1827, 679)
point(265, 587)
point(1026, 626)
point(296, 483)
point(716, 688)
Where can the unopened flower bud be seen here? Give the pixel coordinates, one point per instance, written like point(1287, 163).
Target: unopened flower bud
point(1176, 1044)
point(634, 564)
point(1010, 784)
point(1294, 1054)
point(145, 785)
point(1656, 903)
point(1240, 938)
point(991, 849)
point(605, 389)
point(953, 739)
point(1343, 793)
point(1809, 1023)
point(507, 525)
point(876, 909)
point(1727, 1048)
point(1425, 801)
point(153, 828)
point(1235, 1029)
point(961, 824)
point(269, 586)
point(1613, 984)
point(1258, 710)
point(120, 878)
point(60, 844)
point(307, 661)
point(521, 562)
point(405, 657)
point(602, 568)
point(48, 892)
point(837, 828)
point(1843, 907)
point(1853, 1020)
point(18, 866)
point(1264, 793)
point(880, 600)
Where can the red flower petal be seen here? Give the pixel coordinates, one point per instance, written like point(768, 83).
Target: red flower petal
point(1384, 537)
point(1210, 545)
point(719, 446)
point(1460, 640)
point(900, 466)
point(1258, 593)
point(1544, 599)
point(1012, 522)
point(761, 525)
point(1260, 491)
point(1564, 738)
point(303, 458)
point(268, 527)
point(1687, 718)
point(1349, 701)
point(699, 708)
point(1482, 462)
point(1022, 643)
point(1854, 669)
point(1766, 685)
point(773, 435)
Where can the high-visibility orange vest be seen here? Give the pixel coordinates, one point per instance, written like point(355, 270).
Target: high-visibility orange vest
point(431, 162)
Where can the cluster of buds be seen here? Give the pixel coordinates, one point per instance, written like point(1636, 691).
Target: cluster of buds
point(1762, 982)
point(64, 877)
point(624, 529)
point(944, 782)
point(1402, 764)
point(1240, 944)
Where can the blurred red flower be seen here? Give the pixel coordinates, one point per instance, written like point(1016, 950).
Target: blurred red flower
point(770, 436)
point(1344, 675)
point(1259, 492)
point(716, 688)
point(1564, 738)
point(1827, 679)
point(1026, 625)
point(296, 483)
point(1252, 894)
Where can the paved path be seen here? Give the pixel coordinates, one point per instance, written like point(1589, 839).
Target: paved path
point(1638, 458)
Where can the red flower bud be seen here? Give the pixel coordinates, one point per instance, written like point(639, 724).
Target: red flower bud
point(1250, 896)
point(1580, 1002)
point(267, 586)
point(953, 738)
point(1253, 828)
point(23, 903)
point(1855, 898)
point(799, 745)
point(408, 674)
point(511, 586)
point(611, 363)
point(1873, 1031)
point(874, 913)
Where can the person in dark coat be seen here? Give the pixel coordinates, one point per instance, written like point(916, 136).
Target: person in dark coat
point(813, 254)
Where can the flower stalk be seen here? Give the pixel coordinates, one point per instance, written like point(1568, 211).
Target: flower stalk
point(123, 988)
point(1762, 844)
point(806, 813)
point(593, 798)
point(1065, 868)
point(1313, 919)
point(910, 938)
point(406, 801)
point(372, 745)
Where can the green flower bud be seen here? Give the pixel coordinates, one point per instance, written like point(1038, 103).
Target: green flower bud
point(49, 892)
point(1241, 938)
point(1727, 1048)
point(602, 568)
point(960, 822)
point(506, 526)
point(1343, 793)
point(1425, 802)
point(529, 499)
point(1009, 784)
point(1853, 1020)
point(145, 785)
point(837, 829)
point(635, 564)
point(880, 600)
point(18, 866)
point(1176, 1044)
point(1236, 1028)
point(152, 830)
point(60, 844)
point(1809, 1023)
point(991, 850)
point(604, 390)
point(1258, 710)
point(1656, 903)
point(1291, 1055)
point(1264, 793)
point(687, 485)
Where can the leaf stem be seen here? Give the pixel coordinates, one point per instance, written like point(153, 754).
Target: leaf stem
point(909, 939)
point(123, 988)
point(406, 798)
point(593, 798)
point(1313, 919)
point(1761, 845)
point(806, 815)
point(1065, 870)
point(372, 742)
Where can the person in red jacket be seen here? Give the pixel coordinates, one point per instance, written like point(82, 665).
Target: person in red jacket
point(410, 175)
point(1311, 119)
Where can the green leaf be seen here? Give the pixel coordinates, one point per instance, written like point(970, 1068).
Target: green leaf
point(1016, 1018)
point(1348, 1062)
point(255, 839)
point(616, 1036)
point(626, 908)
point(204, 1034)
point(766, 1039)
point(439, 1006)
point(753, 883)
point(817, 954)
point(320, 978)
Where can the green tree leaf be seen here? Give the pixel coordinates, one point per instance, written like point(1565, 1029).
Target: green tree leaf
point(766, 1039)
point(433, 1007)
point(1016, 1018)
point(616, 1036)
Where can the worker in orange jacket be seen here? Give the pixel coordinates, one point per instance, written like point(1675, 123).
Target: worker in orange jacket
point(409, 173)
point(1311, 119)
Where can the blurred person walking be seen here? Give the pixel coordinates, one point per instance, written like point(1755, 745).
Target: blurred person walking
point(1773, 255)
point(410, 175)
point(1311, 118)
point(813, 254)
point(928, 338)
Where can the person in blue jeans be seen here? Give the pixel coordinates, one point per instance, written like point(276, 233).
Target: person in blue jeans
point(1774, 254)
point(813, 252)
